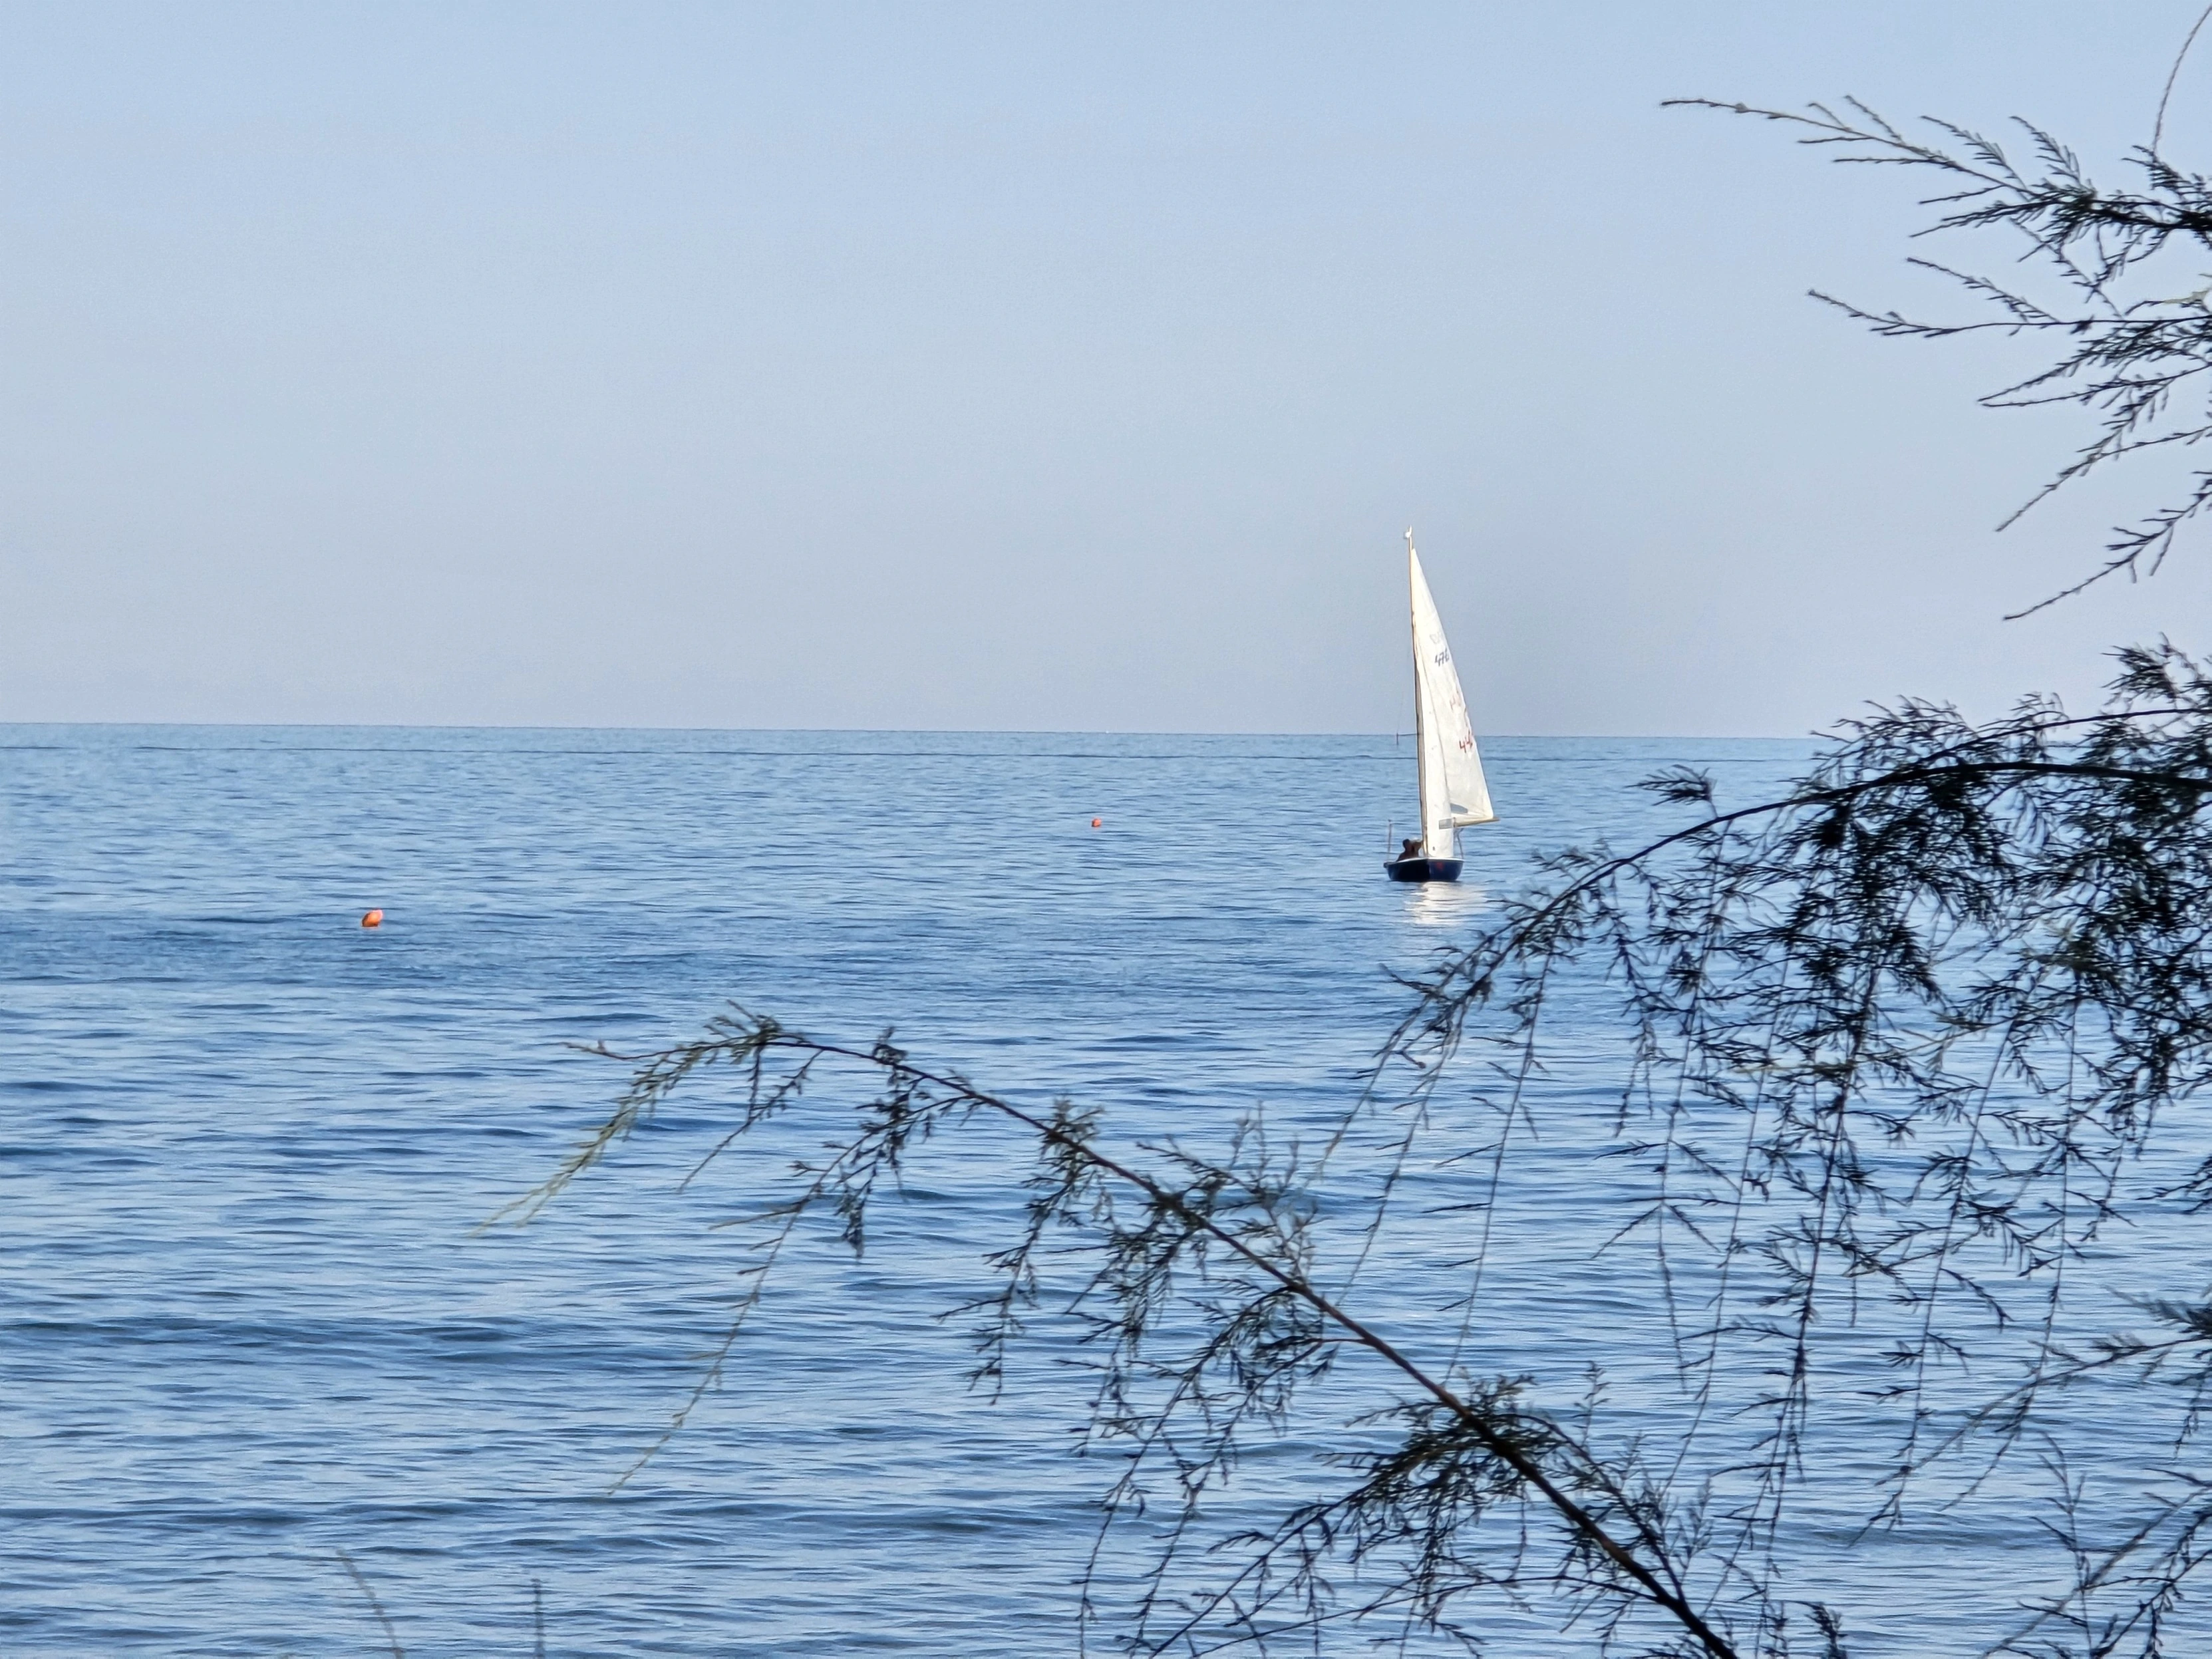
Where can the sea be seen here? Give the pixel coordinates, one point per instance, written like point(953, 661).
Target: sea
point(281, 1371)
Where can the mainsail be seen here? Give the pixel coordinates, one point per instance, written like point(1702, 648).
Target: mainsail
point(1453, 791)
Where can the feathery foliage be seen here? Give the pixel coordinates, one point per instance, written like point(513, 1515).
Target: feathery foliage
point(2133, 357)
point(1903, 1053)
point(1897, 1049)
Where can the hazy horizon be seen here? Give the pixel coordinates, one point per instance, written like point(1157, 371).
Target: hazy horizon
point(912, 730)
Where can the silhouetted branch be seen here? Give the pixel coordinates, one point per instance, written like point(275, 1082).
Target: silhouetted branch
point(369, 1594)
point(1900, 1034)
point(2128, 351)
point(1501, 1448)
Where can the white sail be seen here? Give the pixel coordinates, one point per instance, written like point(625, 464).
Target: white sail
point(1454, 793)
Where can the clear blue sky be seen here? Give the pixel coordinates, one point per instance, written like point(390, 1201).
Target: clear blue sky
point(1017, 365)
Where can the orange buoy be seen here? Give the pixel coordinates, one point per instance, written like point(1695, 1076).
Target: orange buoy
point(373, 919)
point(1097, 824)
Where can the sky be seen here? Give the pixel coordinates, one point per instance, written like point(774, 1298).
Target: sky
point(1017, 366)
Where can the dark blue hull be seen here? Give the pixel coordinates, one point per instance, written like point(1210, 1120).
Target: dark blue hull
point(1423, 869)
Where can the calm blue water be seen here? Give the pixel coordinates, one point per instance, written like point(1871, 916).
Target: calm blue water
point(245, 1147)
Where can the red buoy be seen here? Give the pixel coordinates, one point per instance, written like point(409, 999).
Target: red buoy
point(373, 919)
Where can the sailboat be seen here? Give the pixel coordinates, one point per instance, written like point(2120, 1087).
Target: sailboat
point(1454, 793)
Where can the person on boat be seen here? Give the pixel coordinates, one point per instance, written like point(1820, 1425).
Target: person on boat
point(1412, 849)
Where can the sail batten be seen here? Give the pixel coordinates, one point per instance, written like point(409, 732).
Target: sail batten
point(1454, 794)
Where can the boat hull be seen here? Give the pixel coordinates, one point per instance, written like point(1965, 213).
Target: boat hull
point(1423, 869)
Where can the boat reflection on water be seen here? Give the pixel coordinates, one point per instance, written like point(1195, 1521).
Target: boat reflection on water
point(1445, 903)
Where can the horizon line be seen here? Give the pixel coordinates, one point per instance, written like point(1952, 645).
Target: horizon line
point(901, 730)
